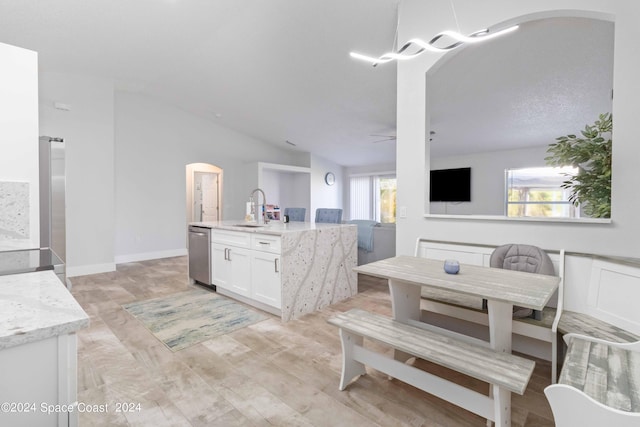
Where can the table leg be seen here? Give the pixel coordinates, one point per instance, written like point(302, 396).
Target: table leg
point(500, 329)
point(405, 303)
point(405, 300)
point(500, 317)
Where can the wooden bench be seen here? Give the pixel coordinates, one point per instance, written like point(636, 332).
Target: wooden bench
point(599, 384)
point(505, 372)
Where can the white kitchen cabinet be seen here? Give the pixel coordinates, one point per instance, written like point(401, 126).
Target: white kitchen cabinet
point(230, 261)
point(248, 265)
point(231, 268)
point(265, 281)
point(240, 278)
point(266, 243)
point(220, 268)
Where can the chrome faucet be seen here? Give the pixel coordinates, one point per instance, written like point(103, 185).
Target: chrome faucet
point(265, 217)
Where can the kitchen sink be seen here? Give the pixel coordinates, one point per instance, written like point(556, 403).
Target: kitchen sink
point(249, 225)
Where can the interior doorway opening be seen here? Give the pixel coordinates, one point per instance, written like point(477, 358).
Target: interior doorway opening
point(204, 192)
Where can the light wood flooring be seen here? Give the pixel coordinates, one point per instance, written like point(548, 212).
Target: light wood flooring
point(268, 374)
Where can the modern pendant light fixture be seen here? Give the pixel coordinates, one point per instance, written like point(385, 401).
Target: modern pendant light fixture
point(422, 46)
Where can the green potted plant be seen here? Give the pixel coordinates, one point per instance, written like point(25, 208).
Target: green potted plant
point(591, 155)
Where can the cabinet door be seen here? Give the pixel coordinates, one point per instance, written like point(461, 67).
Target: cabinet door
point(240, 264)
point(266, 278)
point(220, 267)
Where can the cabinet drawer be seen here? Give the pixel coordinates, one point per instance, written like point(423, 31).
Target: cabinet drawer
point(265, 243)
point(233, 238)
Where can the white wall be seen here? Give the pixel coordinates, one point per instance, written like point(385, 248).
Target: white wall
point(271, 186)
point(88, 133)
point(19, 126)
point(487, 178)
point(287, 189)
point(424, 19)
point(154, 142)
point(323, 195)
point(294, 192)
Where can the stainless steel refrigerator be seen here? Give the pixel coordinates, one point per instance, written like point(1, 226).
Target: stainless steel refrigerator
point(52, 195)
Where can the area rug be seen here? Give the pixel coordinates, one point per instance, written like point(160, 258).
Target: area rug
point(187, 318)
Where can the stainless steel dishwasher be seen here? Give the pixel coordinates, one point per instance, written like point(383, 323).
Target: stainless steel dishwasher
point(200, 254)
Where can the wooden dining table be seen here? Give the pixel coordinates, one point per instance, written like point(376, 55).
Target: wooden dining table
point(502, 289)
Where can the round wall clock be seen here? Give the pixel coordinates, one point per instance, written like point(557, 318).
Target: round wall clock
point(330, 178)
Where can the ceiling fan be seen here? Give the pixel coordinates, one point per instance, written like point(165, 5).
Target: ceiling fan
point(385, 138)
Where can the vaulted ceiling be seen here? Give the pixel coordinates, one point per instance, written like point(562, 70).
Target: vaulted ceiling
point(277, 70)
point(280, 70)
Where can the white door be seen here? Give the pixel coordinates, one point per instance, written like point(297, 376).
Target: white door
point(205, 196)
point(210, 197)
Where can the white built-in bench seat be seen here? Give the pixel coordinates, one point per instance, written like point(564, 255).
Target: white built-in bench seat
point(504, 371)
point(599, 384)
point(570, 321)
point(475, 304)
point(583, 324)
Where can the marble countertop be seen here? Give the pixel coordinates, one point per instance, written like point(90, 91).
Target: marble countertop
point(273, 227)
point(36, 306)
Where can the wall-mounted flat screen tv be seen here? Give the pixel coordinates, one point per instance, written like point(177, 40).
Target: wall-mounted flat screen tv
point(450, 185)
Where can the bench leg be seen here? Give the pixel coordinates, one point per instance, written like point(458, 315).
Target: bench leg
point(401, 356)
point(350, 368)
point(501, 406)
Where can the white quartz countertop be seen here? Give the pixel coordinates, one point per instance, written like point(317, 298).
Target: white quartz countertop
point(36, 306)
point(273, 227)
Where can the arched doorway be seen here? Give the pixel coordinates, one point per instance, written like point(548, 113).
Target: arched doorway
point(204, 192)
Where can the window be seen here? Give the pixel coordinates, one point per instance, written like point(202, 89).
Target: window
point(538, 192)
point(373, 197)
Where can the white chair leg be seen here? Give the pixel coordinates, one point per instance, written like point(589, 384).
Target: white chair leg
point(489, 422)
point(554, 359)
point(350, 368)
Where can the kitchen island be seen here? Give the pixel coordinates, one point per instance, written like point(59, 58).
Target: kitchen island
point(288, 269)
point(38, 350)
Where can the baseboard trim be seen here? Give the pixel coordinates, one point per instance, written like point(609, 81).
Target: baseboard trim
point(144, 256)
point(85, 270)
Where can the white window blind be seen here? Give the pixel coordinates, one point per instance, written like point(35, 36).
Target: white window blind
point(373, 197)
point(360, 205)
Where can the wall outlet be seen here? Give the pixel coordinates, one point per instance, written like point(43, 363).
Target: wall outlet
point(402, 212)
